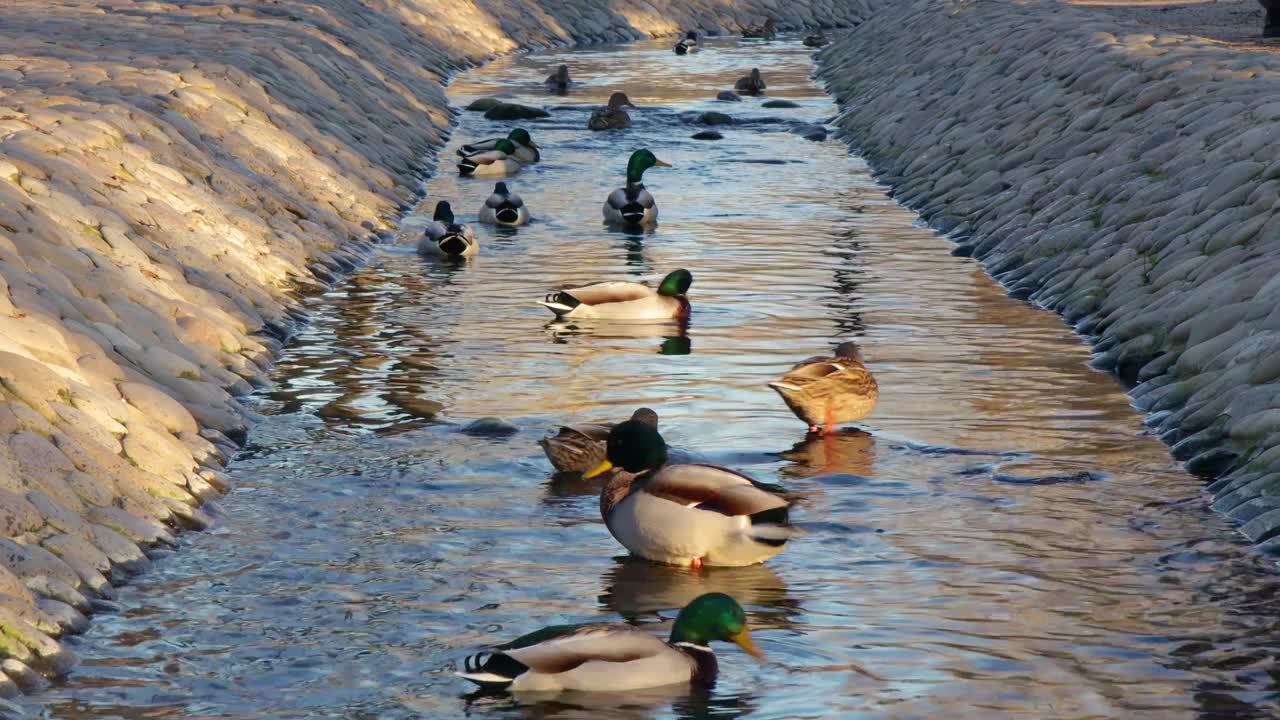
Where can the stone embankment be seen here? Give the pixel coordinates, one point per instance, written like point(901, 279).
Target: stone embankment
point(1123, 177)
point(172, 175)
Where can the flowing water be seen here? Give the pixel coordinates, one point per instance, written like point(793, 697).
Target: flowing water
point(1003, 540)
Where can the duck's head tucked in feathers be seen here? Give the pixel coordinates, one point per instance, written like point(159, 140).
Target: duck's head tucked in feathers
point(506, 146)
point(676, 283)
point(521, 136)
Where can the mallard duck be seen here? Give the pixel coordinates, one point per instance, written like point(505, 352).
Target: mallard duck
point(691, 515)
point(687, 44)
point(615, 657)
point(498, 161)
point(622, 300)
point(611, 116)
point(445, 237)
point(765, 32)
point(527, 150)
point(633, 204)
point(581, 448)
point(751, 84)
point(817, 39)
point(558, 81)
point(504, 207)
point(827, 391)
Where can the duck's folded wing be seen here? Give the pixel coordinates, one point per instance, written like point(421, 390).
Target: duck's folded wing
point(711, 487)
point(478, 147)
point(595, 432)
point(563, 648)
point(609, 292)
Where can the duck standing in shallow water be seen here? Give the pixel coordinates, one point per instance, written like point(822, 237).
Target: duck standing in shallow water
point(633, 204)
point(687, 44)
point(526, 149)
point(498, 161)
point(615, 657)
point(611, 116)
point(827, 391)
point(446, 238)
point(623, 300)
point(558, 81)
point(764, 32)
point(581, 448)
point(690, 515)
point(751, 84)
point(504, 207)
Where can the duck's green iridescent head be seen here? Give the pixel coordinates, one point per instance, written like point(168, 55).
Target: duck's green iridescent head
point(505, 146)
point(676, 282)
point(634, 446)
point(642, 160)
point(520, 136)
point(714, 616)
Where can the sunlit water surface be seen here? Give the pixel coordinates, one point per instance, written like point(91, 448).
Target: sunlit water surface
point(1002, 541)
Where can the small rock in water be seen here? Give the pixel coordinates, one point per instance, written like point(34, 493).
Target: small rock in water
point(514, 111)
point(780, 104)
point(483, 104)
point(729, 96)
point(816, 133)
point(708, 135)
point(490, 427)
point(712, 117)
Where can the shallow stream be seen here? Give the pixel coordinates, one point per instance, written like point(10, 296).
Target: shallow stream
point(1002, 540)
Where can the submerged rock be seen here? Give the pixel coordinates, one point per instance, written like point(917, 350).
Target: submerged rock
point(515, 111)
point(729, 96)
point(816, 133)
point(490, 427)
point(483, 104)
point(707, 135)
point(780, 104)
point(712, 117)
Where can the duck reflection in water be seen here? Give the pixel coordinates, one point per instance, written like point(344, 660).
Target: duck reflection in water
point(686, 702)
point(850, 451)
point(640, 590)
point(675, 334)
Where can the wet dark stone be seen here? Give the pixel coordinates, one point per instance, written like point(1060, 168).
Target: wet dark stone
point(484, 104)
point(515, 111)
point(1212, 463)
point(712, 117)
point(728, 96)
point(780, 104)
point(1075, 478)
point(816, 133)
point(490, 427)
point(707, 135)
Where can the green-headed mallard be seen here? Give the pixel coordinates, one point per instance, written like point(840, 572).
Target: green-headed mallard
point(827, 391)
point(763, 32)
point(558, 81)
point(444, 237)
point(623, 300)
point(751, 84)
point(611, 116)
point(692, 515)
point(581, 448)
point(815, 40)
point(687, 44)
point(526, 148)
point(498, 161)
point(633, 204)
point(504, 207)
point(615, 657)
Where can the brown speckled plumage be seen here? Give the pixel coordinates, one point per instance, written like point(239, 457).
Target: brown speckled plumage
point(835, 390)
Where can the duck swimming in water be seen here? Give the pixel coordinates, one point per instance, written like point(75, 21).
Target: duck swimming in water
point(611, 116)
point(633, 204)
point(445, 238)
point(527, 150)
point(500, 160)
point(752, 84)
point(504, 207)
point(615, 657)
point(687, 44)
point(558, 81)
point(765, 32)
point(624, 300)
